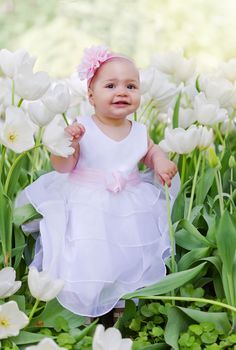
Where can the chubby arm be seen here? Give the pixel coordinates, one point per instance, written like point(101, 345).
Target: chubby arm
point(157, 160)
point(66, 165)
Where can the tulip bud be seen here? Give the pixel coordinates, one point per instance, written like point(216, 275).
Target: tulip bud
point(232, 162)
point(212, 158)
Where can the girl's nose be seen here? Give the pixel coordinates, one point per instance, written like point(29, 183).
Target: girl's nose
point(122, 91)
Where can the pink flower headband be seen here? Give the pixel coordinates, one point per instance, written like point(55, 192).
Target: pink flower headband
point(93, 58)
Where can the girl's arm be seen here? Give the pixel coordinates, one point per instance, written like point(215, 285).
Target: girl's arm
point(156, 159)
point(66, 165)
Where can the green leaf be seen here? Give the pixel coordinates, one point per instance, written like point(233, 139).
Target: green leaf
point(226, 241)
point(204, 184)
point(176, 324)
point(175, 119)
point(17, 251)
point(178, 207)
point(48, 318)
point(6, 226)
point(191, 257)
point(27, 338)
point(167, 284)
point(24, 214)
point(218, 319)
point(193, 231)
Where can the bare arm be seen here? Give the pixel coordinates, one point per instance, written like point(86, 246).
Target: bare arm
point(156, 159)
point(66, 165)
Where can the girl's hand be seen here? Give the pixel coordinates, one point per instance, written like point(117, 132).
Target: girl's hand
point(76, 131)
point(165, 169)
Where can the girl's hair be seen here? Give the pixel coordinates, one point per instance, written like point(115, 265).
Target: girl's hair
point(93, 58)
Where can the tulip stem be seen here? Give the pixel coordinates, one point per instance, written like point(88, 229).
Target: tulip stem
point(231, 189)
point(183, 169)
point(190, 299)
point(2, 159)
point(13, 166)
point(145, 109)
point(34, 309)
point(65, 118)
point(194, 185)
point(220, 191)
point(171, 230)
point(20, 102)
point(35, 155)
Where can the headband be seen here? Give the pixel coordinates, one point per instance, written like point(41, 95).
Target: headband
point(92, 59)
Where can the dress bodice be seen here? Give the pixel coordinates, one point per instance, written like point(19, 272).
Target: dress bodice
point(99, 151)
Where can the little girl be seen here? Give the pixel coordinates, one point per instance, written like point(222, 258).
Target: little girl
point(104, 228)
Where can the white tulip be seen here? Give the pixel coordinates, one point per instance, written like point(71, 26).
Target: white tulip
point(146, 79)
point(162, 91)
point(6, 93)
point(78, 89)
point(217, 90)
point(11, 320)
point(57, 98)
point(56, 139)
point(45, 344)
point(208, 113)
point(186, 117)
point(42, 286)
point(179, 140)
point(110, 339)
point(228, 70)
point(8, 285)
point(39, 113)
point(17, 132)
point(28, 85)
point(175, 65)
point(10, 62)
point(206, 137)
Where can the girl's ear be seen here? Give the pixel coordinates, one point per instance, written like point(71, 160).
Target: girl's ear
point(90, 96)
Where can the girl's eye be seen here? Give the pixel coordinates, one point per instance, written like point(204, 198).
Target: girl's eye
point(131, 86)
point(110, 86)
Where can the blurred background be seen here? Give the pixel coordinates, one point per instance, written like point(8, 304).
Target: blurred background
point(57, 31)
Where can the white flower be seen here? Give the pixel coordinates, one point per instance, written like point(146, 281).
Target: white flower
point(56, 139)
point(39, 113)
point(57, 98)
point(206, 137)
point(146, 79)
point(17, 132)
point(228, 70)
point(42, 286)
point(186, 117)
point(217, 90)
point(110, 339)
point(175, 65)
point(162, 91)
point(179, 140)
point(6, 93)
point(11, 320)
point(208, 113)
point(28, 85)
point(78, 89)
point(45, 344)
point(10, 62)
point(8, 285)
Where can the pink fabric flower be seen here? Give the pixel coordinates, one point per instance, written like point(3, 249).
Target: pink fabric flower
point(92, 60)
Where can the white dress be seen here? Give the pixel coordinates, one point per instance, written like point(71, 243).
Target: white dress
point(103, 237)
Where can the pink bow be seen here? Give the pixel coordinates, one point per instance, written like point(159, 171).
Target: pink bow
point(115, 182)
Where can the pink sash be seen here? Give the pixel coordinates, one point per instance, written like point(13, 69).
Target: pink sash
point(114, 181)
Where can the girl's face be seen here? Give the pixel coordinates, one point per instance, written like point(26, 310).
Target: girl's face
point(115, 90)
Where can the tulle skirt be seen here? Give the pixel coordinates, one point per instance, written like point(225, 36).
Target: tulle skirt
point(102, 244)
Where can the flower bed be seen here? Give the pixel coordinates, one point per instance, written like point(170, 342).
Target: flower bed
point(192, 115)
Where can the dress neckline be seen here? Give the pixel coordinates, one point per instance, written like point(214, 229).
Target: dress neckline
point(108, 137)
